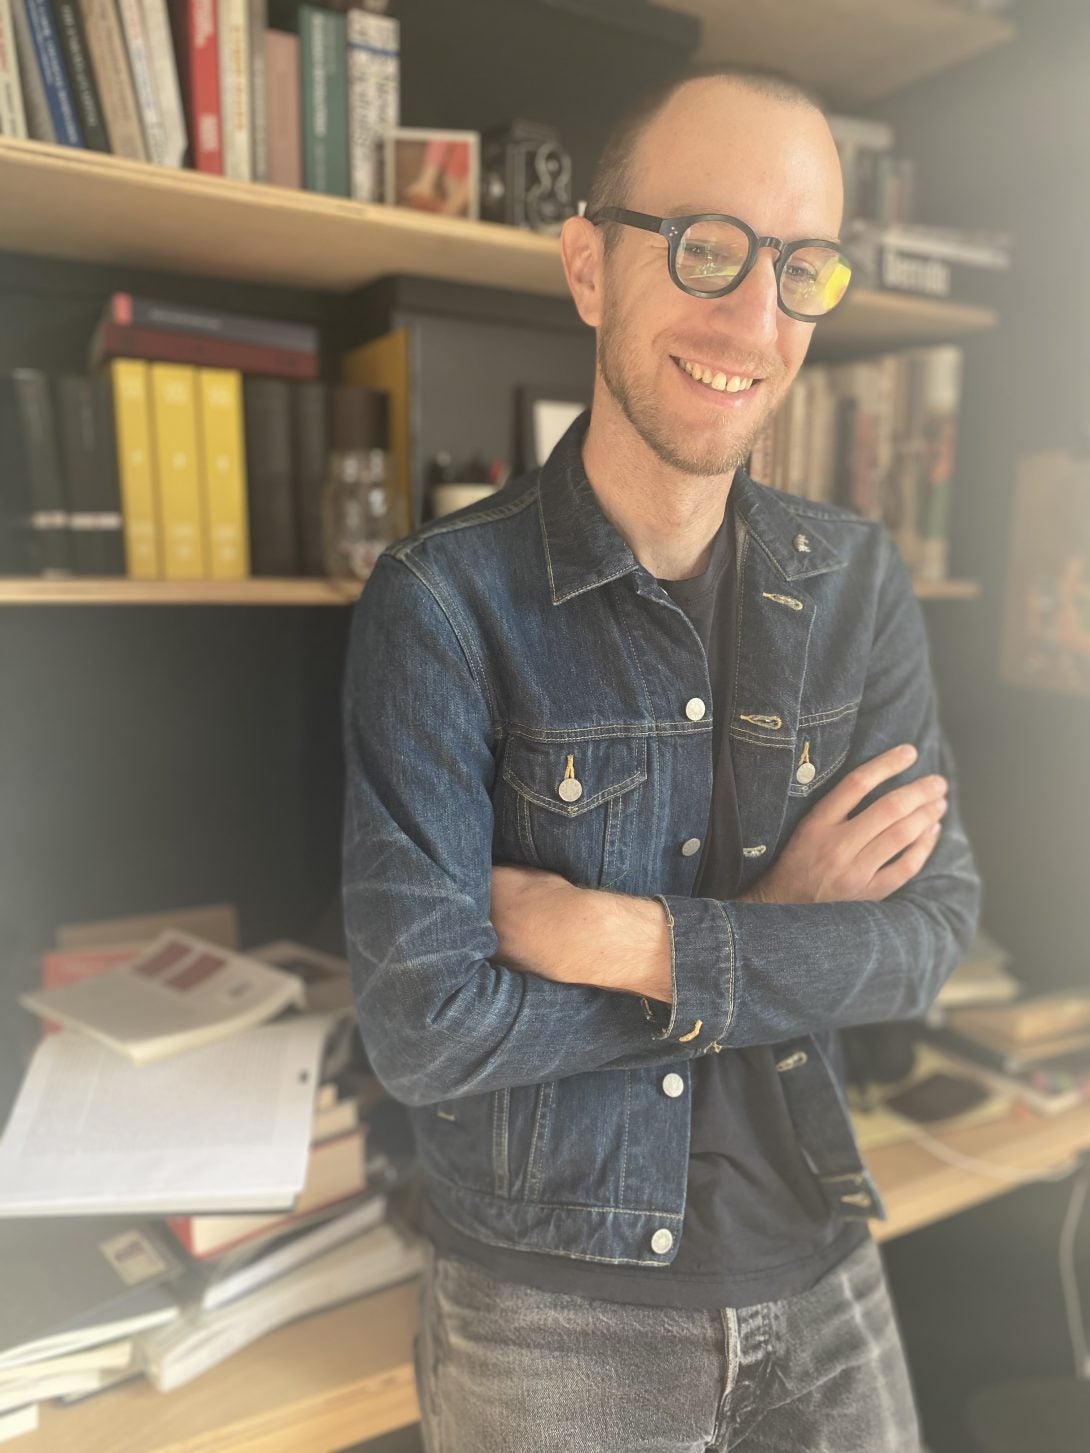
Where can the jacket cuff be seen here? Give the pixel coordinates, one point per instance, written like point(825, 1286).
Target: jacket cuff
point(702, 962)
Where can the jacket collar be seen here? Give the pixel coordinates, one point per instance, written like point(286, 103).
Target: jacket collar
point(583, 550)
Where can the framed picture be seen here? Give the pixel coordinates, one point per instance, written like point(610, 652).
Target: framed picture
point(545, 415)
point(434, 171)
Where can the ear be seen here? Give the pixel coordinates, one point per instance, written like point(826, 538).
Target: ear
point(583, 253)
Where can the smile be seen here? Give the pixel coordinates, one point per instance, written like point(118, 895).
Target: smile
point(716, 379)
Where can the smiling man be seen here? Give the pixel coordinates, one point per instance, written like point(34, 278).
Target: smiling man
point(647, 797)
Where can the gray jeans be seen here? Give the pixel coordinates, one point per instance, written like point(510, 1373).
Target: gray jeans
point(502, 1368)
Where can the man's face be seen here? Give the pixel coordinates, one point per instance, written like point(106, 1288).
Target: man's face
point(715, 147)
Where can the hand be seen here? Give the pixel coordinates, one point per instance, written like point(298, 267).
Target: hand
point(832, 857)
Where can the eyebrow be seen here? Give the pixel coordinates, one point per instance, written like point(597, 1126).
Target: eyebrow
point(693, 211)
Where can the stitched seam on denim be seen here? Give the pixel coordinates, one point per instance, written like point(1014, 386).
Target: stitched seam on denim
point(593, 584)
point(741, 735)
point(799, 790)
point(817, 718)
point(614, 866)
point(576, 810)
point(618, 730)
point(436, 528)
point(670, 922)
point(500, 1161)
point(741, 597)
point(594, 1210)
point(547, 1091)
point(463, 637)
point(624, 1141)
point(525, 831)
point(730, 970)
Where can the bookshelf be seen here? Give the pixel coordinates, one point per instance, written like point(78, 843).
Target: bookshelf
point(854, 51)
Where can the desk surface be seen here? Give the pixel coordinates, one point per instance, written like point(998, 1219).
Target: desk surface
point(346, 1375)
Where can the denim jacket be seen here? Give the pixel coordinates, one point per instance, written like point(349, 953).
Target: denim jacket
point(519, 645)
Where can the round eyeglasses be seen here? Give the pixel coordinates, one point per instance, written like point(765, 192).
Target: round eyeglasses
point(710, 254)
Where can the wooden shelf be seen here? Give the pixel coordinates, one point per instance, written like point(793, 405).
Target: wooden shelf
point(852, 51)
point(89, 206)
point(92, 591)
point(89, 590)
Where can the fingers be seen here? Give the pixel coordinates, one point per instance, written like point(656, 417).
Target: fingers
point(902, 833)
point(897, 874)
point(850, 791)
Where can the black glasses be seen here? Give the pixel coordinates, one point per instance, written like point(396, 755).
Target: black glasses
point(710, 255)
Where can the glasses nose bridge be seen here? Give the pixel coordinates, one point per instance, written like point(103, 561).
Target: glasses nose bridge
point(776, 243)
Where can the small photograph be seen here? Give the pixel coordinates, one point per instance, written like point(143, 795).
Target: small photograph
point(434, 171)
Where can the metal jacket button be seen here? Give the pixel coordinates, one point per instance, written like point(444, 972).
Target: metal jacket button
point(673, 1085)
point(690, 847)
point(806, 773)
point(570, 790)
point(662, 1240)
point(695, 709)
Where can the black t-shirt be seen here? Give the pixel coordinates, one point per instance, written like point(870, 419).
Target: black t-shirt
point(757, 1226)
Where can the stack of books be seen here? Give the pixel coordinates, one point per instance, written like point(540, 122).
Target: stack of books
point(880, 437)
point(196, 447)
point(187, 1165)
point(208, 83)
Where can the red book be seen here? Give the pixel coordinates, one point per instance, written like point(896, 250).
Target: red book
point(194, 26)
point(114, 340)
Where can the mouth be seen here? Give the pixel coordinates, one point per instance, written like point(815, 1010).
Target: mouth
point(732, 388)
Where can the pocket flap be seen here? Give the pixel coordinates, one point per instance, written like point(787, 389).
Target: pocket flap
point(603, 767)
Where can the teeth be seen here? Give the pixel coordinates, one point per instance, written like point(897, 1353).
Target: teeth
point(718, 381)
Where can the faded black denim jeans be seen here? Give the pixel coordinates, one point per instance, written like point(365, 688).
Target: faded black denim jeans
point(503, 1368)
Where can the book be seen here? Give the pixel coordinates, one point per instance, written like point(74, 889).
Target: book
point(929, 262)
point(113, 77)
point(323, 57)
point(215, 922)
point(285, 139)
point(165, 76)
point(22, 1420)
point(132, 310)
point(274, 531)
point(39, 120)
point(176, 994)
point(374, 107)
point(194, 26)
point(72, 966)
point(1069, 1053)
point(200, 1339)
point(97, 1267)
point(335, 1170)
point(1023, 1025)
point(179, 489)
point(258, 25)
point(325, 977)
point(12, 110)
point(77, 62)
point(97, 545)
point(134, 27)
point(226, 1127)
point(59, 95)
point(223, 473)
point(111, 340)
point(236, 106)
point(34, 482)
point(311, 445)
point(131, 387)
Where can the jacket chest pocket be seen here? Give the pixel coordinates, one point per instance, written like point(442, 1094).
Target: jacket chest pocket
point(821, 748)
point(569, 806)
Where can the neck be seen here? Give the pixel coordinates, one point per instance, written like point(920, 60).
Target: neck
point(666, 517)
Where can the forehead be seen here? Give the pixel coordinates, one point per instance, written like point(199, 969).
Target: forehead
point(717, 146)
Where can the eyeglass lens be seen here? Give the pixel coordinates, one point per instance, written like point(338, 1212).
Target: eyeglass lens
point(711, 254)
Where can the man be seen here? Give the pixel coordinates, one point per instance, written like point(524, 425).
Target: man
point(692, 723)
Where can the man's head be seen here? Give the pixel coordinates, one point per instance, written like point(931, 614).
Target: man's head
point(747, 144)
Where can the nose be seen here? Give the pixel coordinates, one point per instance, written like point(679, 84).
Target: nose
point(753, 306)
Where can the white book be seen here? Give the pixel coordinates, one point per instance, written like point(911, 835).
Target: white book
point(178, 993)
point(14, 1425)
point(12, 111)
point(165, 73)
point(236, 101)
point(223, 1128)
point(38, 119)
point(134, 24)
point(109, 1357)
point(374, 106)
point(199, 1340)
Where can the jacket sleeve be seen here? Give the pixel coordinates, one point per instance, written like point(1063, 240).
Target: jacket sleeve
point(804, 968)
point(439, 1017)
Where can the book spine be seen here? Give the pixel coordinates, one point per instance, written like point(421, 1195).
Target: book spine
point(111, 340)
point(110, 63)
point(274, 535)
point(235, 100)
point(324, 69)
point(311, 438)
point(258, 21)
point(174, 413)
point(223, 450)
point(94, 519)
point(165, 76)
point(196, 46)
point(77, 59)
point(143, 80)
point(373, 97)
point(12, 111)
point(821, 436)
point(282, 109)
point(47, 508)
point(58, 90)
point(799, 448)
point(136, 469)
point(129, 310)
point(38, 118)
point(942, 393)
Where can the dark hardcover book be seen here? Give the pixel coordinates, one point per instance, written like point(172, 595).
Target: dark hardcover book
point(274, 531)
point(58, 88)
point(323, 66)
point(90, 466)
point(77, 59)
point(131, 311)
point(111, 340)
point(38, 513)
point(311, 439)
point(14, 544)
point(948, 1038)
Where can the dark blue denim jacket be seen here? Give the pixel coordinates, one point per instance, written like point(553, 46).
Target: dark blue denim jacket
point(488, 649)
